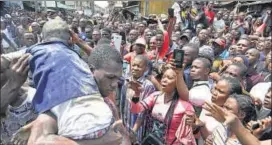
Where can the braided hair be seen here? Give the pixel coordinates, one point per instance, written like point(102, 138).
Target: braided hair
point(170, 111)
point(245, 105)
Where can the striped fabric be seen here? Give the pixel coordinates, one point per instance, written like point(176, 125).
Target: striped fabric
point(221, 136)
point(129, 118)
point(94, 135)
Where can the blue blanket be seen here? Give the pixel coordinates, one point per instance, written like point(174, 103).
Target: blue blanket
point(58, 74)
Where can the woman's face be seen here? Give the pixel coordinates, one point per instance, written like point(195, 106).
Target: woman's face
point(220, 92)
point(232, 106)
point(168, 81)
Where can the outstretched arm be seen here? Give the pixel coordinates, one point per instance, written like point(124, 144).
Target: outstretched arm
point(235, 125)
point(82, 44)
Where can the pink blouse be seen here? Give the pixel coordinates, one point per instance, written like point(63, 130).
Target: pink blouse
point(159, 110)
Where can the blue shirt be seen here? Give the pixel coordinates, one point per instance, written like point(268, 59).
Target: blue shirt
point(58, 74)
point(224, 54)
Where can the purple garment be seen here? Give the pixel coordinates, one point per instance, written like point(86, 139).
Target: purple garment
point(262, 56)
point(58, 74)
point(252, 79)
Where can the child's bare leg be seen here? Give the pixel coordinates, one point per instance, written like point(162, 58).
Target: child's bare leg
point(22, 135)
point(44, 125)
point(53, 139)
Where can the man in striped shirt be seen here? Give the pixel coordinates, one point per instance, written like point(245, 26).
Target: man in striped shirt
point(134, 122)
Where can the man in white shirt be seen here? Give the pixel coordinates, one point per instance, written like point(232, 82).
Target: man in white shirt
point(200, 91)
point(259, 91)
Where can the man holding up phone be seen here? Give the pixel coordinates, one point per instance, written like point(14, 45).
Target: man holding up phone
point(136, 85)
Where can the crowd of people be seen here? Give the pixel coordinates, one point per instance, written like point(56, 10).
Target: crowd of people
point(64, 82)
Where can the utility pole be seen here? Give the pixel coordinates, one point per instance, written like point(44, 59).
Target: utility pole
point(45, 6)
point(146, 8)
point(56, 3)
point(92, 7)
point(36, 6)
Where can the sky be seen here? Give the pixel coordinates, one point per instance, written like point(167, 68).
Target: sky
point(102, 4)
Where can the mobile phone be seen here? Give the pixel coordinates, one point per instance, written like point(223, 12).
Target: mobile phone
point(178, 57)
point(255, 126)
point(171, 12)
point(135, 99)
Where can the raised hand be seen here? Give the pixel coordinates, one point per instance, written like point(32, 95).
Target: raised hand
point(171, 64)
point(135, 86)
point(75, 37)
point(219, 114)
point(18, 70)
point(263, 124)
